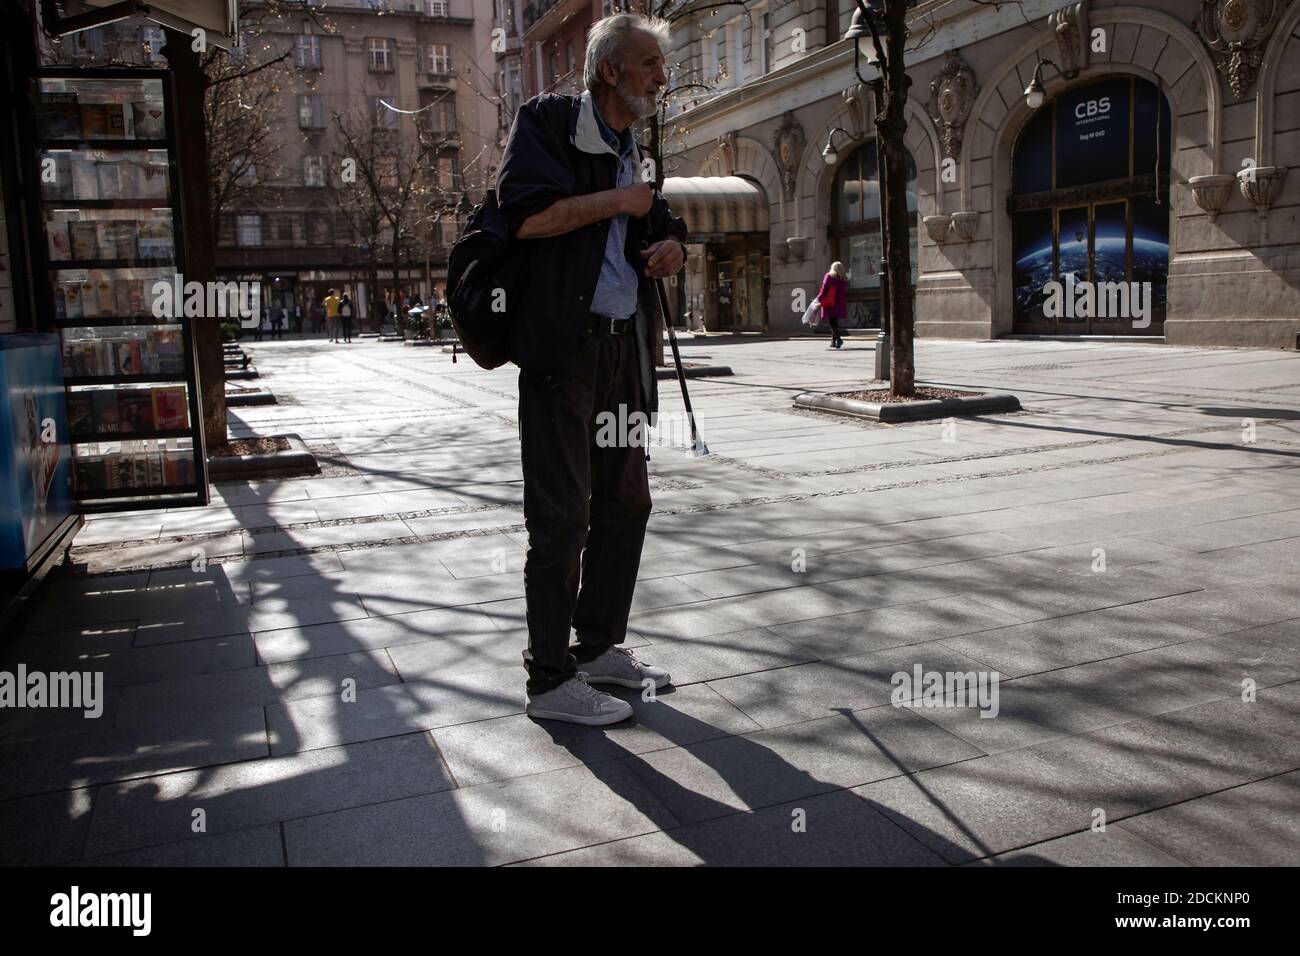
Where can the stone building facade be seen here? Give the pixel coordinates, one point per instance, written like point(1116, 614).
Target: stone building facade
point(1158, 159)
point(433, 56)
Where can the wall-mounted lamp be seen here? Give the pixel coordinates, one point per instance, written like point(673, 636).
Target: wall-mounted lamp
point(1034, 92)
point(830, 155)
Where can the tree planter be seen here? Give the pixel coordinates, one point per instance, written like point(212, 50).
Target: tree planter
point(908, 411)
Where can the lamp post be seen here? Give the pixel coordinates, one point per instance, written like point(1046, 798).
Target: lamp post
point(889, 86)
point(1034, 92)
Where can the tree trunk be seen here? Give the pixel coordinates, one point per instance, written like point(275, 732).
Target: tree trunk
point(200, 253)
point(891, 128)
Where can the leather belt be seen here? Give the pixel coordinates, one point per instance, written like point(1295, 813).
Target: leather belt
point(606, 325)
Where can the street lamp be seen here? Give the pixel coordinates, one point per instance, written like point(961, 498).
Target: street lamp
point(866, 42)
point(1034, 92)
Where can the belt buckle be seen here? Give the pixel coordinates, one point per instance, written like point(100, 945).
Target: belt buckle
point(618, 326)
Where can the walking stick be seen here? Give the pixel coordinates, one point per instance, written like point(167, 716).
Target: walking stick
point(698, 448)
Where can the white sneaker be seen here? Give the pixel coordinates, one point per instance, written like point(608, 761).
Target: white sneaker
point(576, 702)
point(619, 666)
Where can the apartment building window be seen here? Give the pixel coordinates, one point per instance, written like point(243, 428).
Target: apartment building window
point(448, 175)
point(438, 58)
point(243, 172)
point(384, 117)
point(442, 116)
point(437, 8)
point(311, 111)
point(313, 170)
point(386, 171)
point(248, 231)
point(736, 52)
point(381, 54)
point(306, 52)
point(762, 56)
point(282, 228)
point(449, 229)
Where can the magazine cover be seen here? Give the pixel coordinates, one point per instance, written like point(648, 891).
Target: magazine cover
point(104, 410)
point(135, 410)
point(81, 413)
point(85, 239)
point(85, 178)
point(114, 120)
point(104, 290)
point(60, 240)
point(156, 238)
point(72, 299)
point(94, 121)
point(90, 475)
point(170, 411)
point(148, 119)
point(89, 300)
point(58, 116)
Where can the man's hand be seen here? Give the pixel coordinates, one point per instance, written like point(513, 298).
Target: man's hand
point(663, 258)
point(637, 199)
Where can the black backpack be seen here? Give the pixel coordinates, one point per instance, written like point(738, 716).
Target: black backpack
point(484, 271)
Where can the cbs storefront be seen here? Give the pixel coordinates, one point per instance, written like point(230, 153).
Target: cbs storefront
point(1142, 192)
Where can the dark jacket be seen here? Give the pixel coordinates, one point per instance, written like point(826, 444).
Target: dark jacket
point(555, 151)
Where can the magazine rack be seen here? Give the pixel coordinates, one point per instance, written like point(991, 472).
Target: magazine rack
point(111, 219)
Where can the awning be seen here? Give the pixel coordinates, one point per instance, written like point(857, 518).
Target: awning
point(712, 205)
point(219, 19)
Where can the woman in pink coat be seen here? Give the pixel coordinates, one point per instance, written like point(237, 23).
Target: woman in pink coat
point(834, 300)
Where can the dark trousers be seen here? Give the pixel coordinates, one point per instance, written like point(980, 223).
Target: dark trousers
point(835, 331)
point(347, 328)
point(585, 508)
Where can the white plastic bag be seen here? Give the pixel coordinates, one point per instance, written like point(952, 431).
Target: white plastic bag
point(813, 315)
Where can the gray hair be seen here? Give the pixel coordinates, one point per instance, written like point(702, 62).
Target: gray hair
point(607, 36)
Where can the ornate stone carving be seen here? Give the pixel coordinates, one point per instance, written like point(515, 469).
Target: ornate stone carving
point(726, 153)
point(1211, 192)
point(1070, 27)
point(1261, 185)
point(1236, 33)
point(789, 143)
point(857, 100)
point(952, 94)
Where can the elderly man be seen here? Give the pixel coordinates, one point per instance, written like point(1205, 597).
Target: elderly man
point(595, 237)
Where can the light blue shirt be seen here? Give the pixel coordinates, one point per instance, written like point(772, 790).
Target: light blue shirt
point(617, 286)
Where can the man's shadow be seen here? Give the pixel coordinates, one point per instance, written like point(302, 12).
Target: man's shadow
point(787, 816)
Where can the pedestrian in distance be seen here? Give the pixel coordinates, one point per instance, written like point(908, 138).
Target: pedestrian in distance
point(332, 315)
point(570, 189)
point(345, 317)
point(834, 301)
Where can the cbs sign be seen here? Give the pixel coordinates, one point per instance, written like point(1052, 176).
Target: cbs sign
point(1097, 107)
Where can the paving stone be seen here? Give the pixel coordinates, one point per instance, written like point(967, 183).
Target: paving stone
point(44, 830)
point(1253, 825)
point(747, 772)
point(491, 824)
point(514, 746)
point(256, 846)
point(841, 830)
point(321, 640)
point(237, 796)
point(160, 701)
point(1114, 846)
point(100, 756)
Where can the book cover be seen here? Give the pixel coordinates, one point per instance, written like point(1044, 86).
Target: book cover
point(135, 410)
point(85, 178)
point(148, 120)
point(152, 181)
point(126, 357)
point(90, 474)
point(140, 471)
point(107, 300)
point(89, 300)
point(136, 291)
point(72, 299)
point(105, 240)
point(60, 301)
point(85, 239)
point(60, 240)
point(104, 411)
point(155, 240)
point(94, 121)
point(122, 241)
point(178, 468)
point(108, 178)
point(56, 175)
point(121, 297)
point(157, 474)
point(122, 474)
point(81, 415)
point(114, 120)
point(165, 346)
point(169, 409)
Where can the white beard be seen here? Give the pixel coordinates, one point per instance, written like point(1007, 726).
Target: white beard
point(643, 106)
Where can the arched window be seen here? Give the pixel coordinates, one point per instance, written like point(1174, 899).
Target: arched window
point(855, 230)
point(1090, 212)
